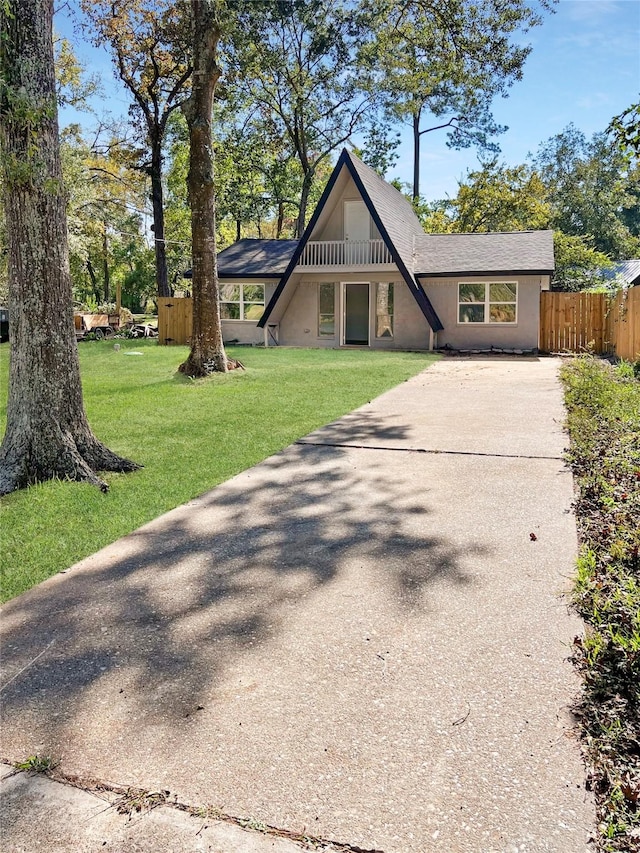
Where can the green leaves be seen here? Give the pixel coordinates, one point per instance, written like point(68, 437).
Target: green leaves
point(625, 129)
point(589, 185)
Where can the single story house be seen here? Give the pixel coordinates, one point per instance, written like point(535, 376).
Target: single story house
point(365, 274)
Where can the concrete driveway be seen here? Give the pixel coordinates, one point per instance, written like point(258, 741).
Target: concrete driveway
point(362, 639)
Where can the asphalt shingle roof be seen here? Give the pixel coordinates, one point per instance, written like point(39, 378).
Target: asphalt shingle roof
point(395, 211)
point(249, 257)
point(416, 253)
point(480, 253)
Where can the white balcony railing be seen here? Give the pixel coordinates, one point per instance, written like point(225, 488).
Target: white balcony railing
point(344, 253)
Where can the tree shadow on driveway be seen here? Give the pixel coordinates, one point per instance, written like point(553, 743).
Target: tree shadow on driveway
point(148, 628)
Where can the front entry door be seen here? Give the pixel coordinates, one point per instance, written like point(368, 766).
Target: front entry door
point(356, 314)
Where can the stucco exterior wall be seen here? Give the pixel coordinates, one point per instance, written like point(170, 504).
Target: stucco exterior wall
point(331, 224)
point(443, 293)
point(299, 324)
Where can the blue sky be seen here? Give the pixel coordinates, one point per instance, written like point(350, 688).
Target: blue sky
point(584, 68)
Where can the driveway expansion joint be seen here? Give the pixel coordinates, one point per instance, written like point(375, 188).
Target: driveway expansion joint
point(428, 450)
point(130, 800)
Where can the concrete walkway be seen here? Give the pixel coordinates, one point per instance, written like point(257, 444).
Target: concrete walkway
point(355, 640)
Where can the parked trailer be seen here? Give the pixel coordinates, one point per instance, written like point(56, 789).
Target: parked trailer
point(102, 325)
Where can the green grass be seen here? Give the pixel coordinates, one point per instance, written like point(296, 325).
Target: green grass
point(604, 424)
point(189, 435)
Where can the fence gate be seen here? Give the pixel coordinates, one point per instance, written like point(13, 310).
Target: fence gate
point(175, 320)
point(572, 322)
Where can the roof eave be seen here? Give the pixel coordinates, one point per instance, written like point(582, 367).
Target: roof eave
point(242, 276)
point(484, 272)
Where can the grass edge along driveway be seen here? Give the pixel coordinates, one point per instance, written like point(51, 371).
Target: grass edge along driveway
point(190, 436)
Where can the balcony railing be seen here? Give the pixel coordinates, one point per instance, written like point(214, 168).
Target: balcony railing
point(344, 253)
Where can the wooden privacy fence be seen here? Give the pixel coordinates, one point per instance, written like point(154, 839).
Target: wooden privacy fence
point(623, 324)
point(572, 321)
point(576, 322)
point(175, 320)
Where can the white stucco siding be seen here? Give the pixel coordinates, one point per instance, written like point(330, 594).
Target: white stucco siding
point(523, 334)
point(331, 223)
point(299, 323)
point(410, 327)
point(241, 332)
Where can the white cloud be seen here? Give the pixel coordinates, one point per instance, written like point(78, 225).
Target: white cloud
point(594, 11)
point(595, 100)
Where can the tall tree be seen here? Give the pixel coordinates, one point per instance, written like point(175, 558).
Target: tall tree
point(590, 185)
point(497, 197)
point(448, 59)
point(47, 433)
point(104, 215)
point(151, 52)
point(578, 266)
point(296, 61)
point(207, 349)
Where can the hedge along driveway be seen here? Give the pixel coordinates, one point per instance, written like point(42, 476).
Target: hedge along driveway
point(190, 436)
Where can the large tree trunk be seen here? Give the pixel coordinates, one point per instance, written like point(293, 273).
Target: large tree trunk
point(157, 203)
point(304, 202)
point(280, 224)
point(207, 348)
point(105, 262)
point(47, 434)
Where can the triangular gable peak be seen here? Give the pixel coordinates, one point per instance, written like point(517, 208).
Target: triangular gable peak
point(392, 215)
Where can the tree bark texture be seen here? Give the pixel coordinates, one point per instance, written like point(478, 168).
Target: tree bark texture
point(105, 261)
point(307, 183)
point(207, 348)
point(47, 435)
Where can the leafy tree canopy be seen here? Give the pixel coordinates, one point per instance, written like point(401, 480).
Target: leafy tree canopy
point(448, 58)
point(589, 187)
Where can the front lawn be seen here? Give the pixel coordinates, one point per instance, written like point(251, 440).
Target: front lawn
point(189, 435)
point(604, 424)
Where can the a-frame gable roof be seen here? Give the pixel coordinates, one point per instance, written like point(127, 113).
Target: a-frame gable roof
point(394, 218)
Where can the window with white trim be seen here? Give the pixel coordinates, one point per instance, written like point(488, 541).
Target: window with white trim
point(384, 309)
point(487, 302)
point(326, 309)
point(241, 301)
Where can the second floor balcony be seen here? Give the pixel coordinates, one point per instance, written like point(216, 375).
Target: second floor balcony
point(323, 254)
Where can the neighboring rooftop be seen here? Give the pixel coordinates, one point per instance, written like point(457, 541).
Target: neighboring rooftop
point(627, 271)
point(483, 252)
